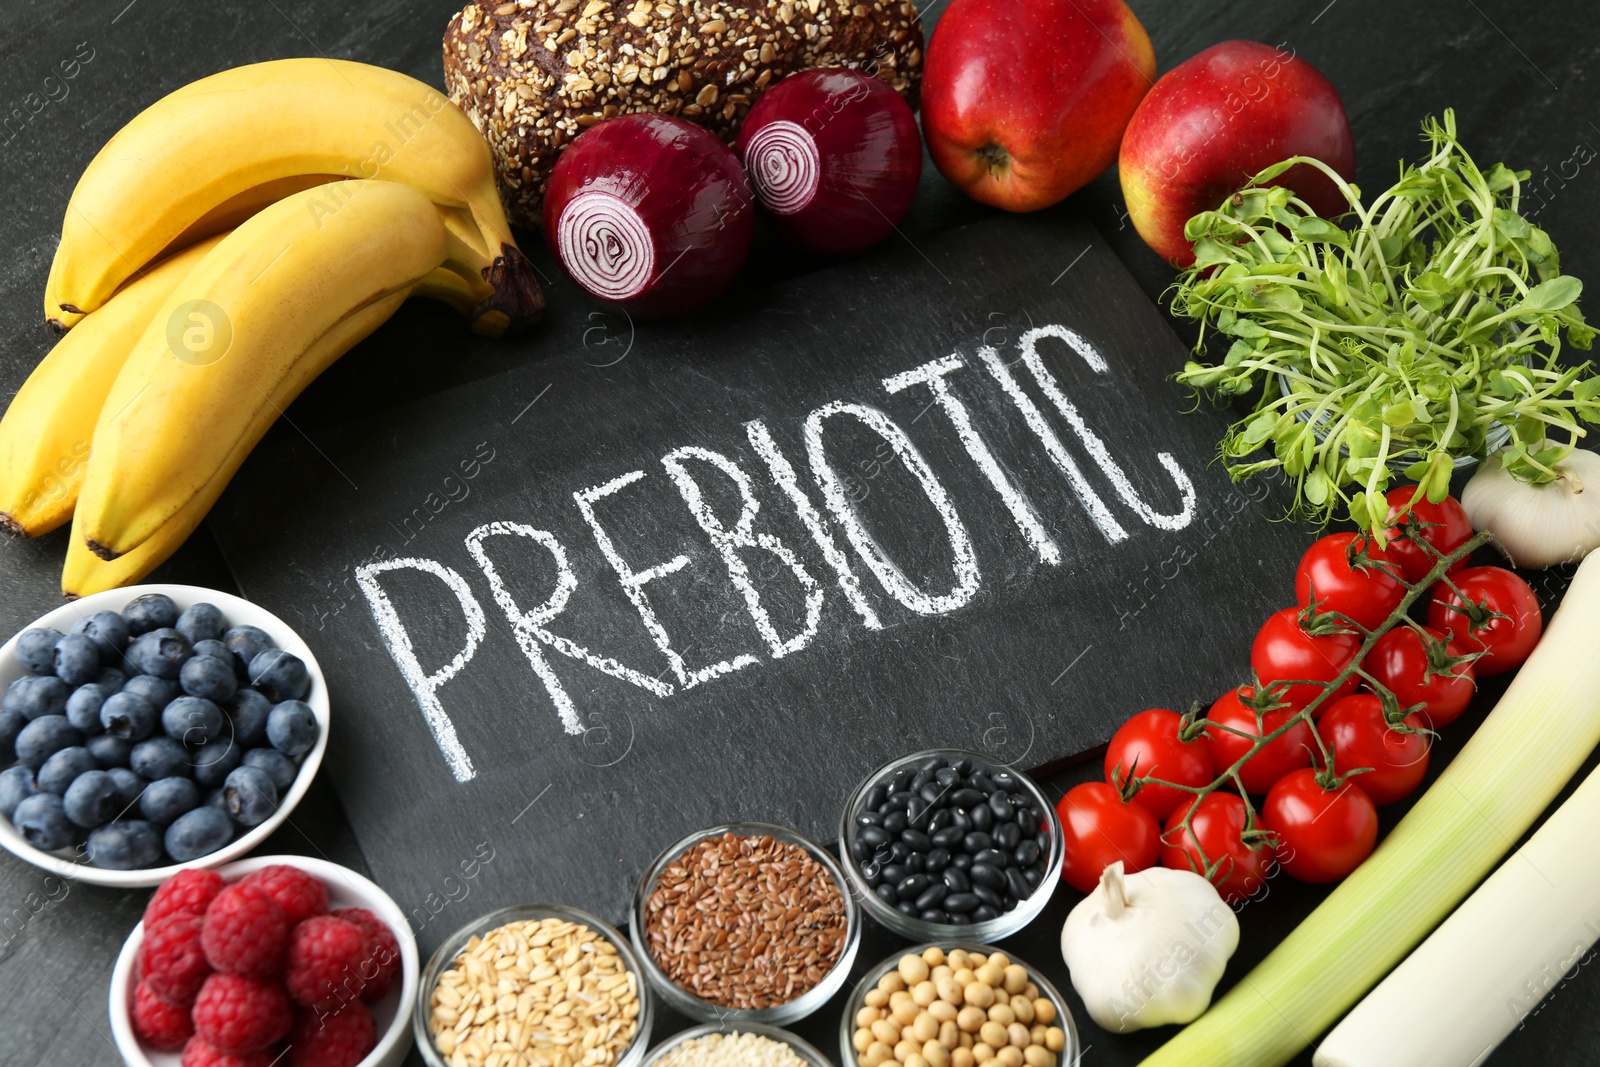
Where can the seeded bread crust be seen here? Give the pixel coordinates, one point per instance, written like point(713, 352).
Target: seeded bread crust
point(533, 74)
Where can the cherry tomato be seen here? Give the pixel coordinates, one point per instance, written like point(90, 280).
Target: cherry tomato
point(1444, 525)
point(1276, 759)
point(1215, 830)
point(1419, 672)
point(1323, 834)
point(1359, 735)
point(1149, 745)
point(1284, 651)
point(1508, 639)
point(1098, 828)
point(1362, 588)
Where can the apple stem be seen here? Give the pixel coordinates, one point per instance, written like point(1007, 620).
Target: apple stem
point(997, 158)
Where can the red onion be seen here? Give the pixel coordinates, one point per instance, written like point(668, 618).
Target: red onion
point(834, 156)
point(650, 213)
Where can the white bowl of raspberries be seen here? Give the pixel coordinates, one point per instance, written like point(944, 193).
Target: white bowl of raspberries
point(151, 728)
point(275, 961)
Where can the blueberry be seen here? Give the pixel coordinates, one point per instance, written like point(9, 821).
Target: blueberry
point(215, 799)
point(150, 612)
point(280, 675)
point(159, 757)
point(213, 760)
point(11, 724)
point(215, 649)
point(109, 751)
point(129, 786)
point(112, 679)
point(202, 622)
point(42, 822)
point(292, 728)
point(280, 768)
point(198, 833)
point(128, 715)
point(192, 720)
point(109, 632)
point(249, 710)
point(77, 660)
point(250, 796)
point(16, 785)
point(35, 695)
point(60, 770)
point(36, 649)
point(158, 691)
point(210, 678)
point(43, 738)
point(161, 653)
point(246, 643)
point(92, 800)
point(169, 798)
point(83, 708)
point(125, 846)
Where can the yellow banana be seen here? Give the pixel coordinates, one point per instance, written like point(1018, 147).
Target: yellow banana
point(45, 435)
point(85, 573)
point(225, 140)
point(231, 332)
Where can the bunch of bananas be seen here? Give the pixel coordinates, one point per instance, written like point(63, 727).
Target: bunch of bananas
point(220, 252)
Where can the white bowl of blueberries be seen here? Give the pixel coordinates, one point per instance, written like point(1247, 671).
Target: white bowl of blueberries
point(152, 728)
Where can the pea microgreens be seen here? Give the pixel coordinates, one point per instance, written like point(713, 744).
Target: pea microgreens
point(1391, 341)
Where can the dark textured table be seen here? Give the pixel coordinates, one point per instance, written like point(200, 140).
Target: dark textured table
point(1523, 81)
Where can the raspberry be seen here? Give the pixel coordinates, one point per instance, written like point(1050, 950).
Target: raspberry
point(172, 959)
point(325, 962)
point(342, 1039)
point(245, 932)
point(381, 965)
point(299, 894)
point(187, 892)
point(235, 1013)
point(199, 1054)
point(159, 1023)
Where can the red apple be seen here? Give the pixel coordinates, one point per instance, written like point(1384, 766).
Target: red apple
point(1023, 103)
point(1213, 121)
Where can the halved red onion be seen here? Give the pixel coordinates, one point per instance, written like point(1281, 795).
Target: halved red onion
point(649, 212)
point(834, 156)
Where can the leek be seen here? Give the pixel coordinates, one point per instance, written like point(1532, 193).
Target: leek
point(1481, 974)
point(1533, 741)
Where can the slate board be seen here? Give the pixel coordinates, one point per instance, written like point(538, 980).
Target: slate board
point(1035, 661)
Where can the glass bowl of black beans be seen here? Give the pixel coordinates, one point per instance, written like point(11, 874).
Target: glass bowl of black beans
point(950, 844)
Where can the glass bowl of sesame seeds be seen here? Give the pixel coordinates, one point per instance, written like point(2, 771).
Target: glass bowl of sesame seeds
point(536, 985)
point(745, 923)
point(735, 1045)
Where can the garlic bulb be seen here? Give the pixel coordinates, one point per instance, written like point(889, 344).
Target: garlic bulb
point(1539, 525)
point(1148, 948)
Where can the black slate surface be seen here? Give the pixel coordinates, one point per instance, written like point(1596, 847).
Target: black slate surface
point(1522, 78)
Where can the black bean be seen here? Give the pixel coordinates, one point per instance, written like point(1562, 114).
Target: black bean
point(962, 766)
point(861, 850)
point(911, 885)
point(961, 903)
point(887, 894)
point(966, 798)
point(906, 907)
point(936, 861)
point(933, 792)
point(932, 895)
point(960, 920)
point(990, 857)
point(875, 797)
point(1034, 875)
point(982, 817)
point(961, 861)
point(984, 913)
point(899, 850)
point(1026, 854)
point(1010, 902)
point(894, 822)
point(981, 782)
point(934, 915)
point(869, 818)
point(949, 837)
point(959, 817)
point(981, 874)
point(892, 873)
point(1042, 839)
point(872, 874)
point(916, 808)
point(976, 842)
point(1003, 812)
point(1015, 883)
point(920, 779)
point(948, 777)
point(915, 863)
point(1027, 822)
point(896, 802)
point(1007, 781)
point(992, 897)
point(919, 841)
point(901, 781)
point(1007, 835)
point(932, 763)
point(872, 837)
point(956, 879)
point(939, 820)
point(1020, 800)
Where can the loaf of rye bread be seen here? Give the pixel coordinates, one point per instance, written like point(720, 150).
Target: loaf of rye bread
point(533, 74)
